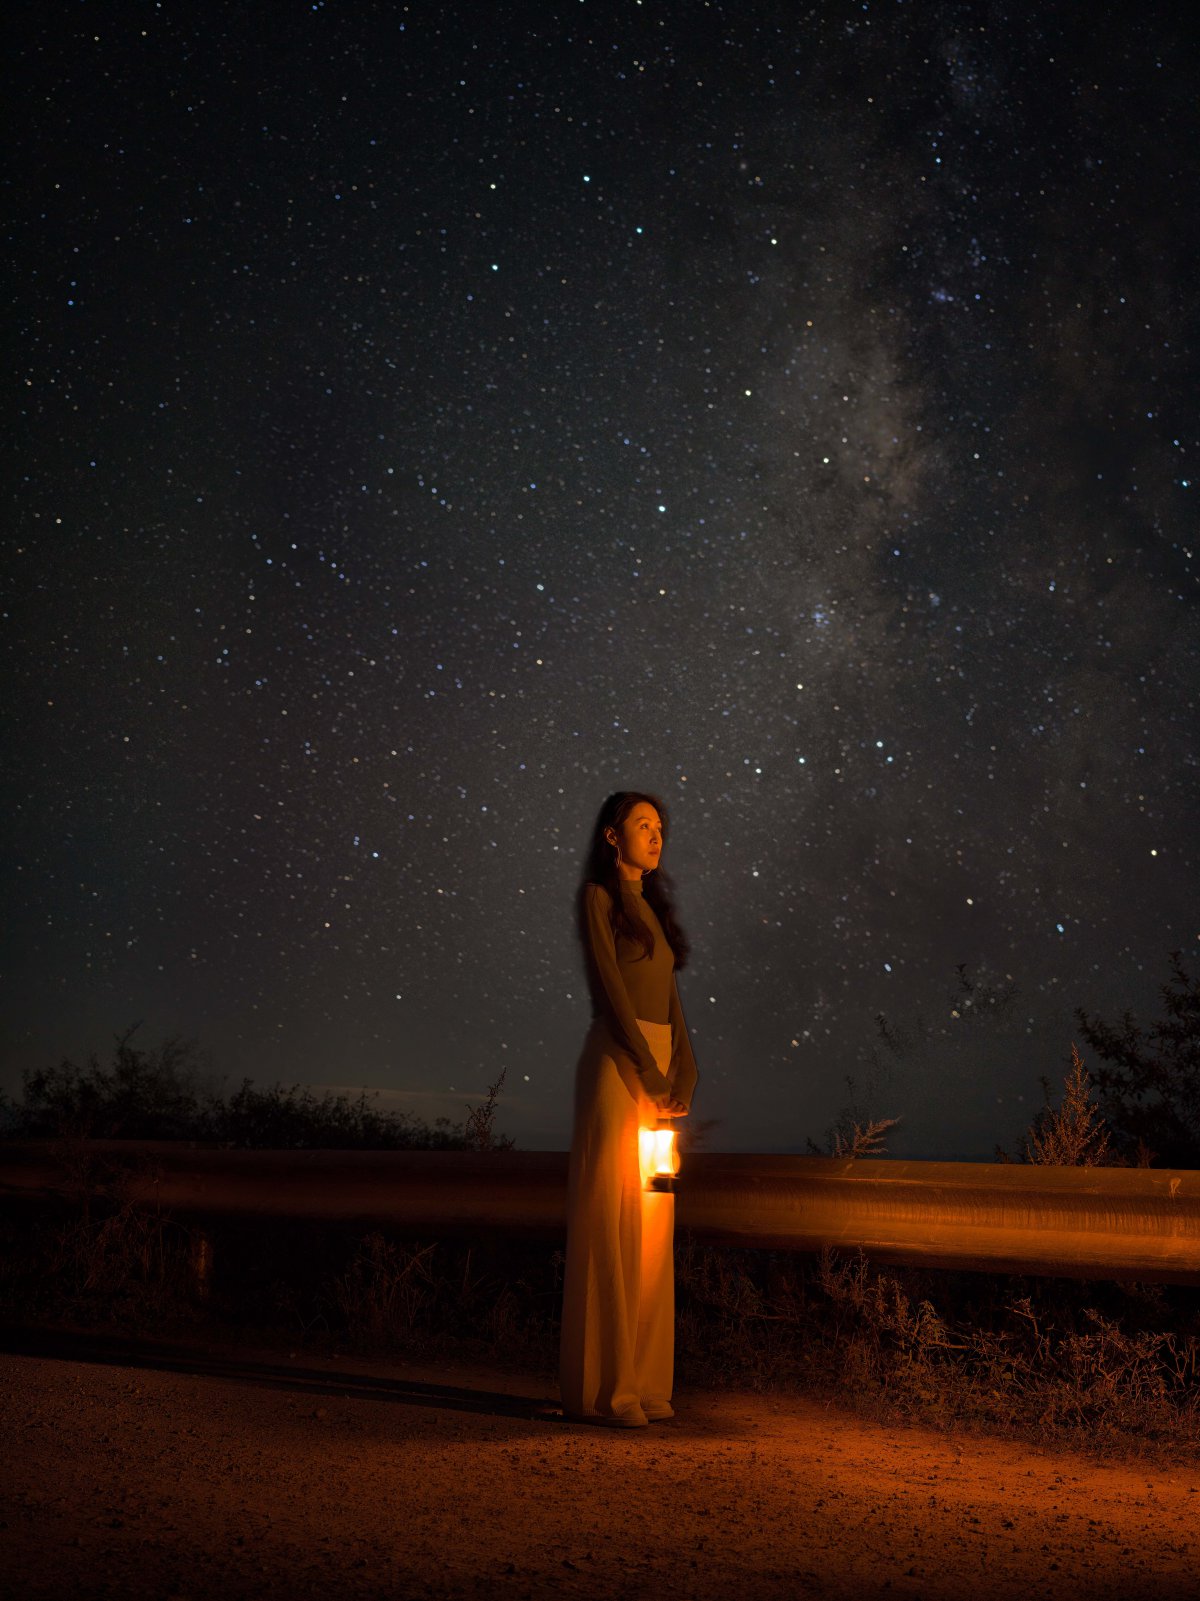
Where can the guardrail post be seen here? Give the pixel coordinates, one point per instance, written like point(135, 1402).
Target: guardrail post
point(200, 1261)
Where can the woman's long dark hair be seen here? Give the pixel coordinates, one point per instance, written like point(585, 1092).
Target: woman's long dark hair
point(600, 867)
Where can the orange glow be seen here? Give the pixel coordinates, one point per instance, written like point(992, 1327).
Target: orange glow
point(659, 1158)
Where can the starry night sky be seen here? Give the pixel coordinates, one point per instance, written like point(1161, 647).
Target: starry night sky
point(426, 419)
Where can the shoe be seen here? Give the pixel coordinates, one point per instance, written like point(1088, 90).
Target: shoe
point(609, 1420)
point(658, 1413)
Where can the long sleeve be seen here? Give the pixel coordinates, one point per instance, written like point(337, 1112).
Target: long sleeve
point(619, 1014)
point(683, 1064)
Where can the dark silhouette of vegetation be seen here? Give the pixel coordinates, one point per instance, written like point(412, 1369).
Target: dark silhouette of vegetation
point(160, 1093)
point(854, 1132)
point(479, 1131)
point(293, 1119)
point(1150, 1080)
point(142, 1094)
point(852, 1136)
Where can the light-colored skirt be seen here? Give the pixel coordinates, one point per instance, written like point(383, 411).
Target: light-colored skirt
point(617, 1354)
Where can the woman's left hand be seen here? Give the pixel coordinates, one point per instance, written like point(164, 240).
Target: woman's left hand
point(673, 1108)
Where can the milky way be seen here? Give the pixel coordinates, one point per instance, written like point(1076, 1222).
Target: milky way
point(428, 419)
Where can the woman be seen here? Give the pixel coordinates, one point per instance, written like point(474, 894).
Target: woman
point(618, 1326)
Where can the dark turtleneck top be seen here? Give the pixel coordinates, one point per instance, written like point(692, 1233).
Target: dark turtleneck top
point(627, 984)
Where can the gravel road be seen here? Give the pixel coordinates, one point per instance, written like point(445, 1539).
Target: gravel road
point(191, 1476)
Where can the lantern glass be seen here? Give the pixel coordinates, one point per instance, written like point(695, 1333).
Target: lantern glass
point(659, 1157)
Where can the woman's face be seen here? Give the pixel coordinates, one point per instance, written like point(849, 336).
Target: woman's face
point(640, 837)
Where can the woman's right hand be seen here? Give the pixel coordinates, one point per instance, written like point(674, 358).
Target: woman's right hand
point(672, 1108)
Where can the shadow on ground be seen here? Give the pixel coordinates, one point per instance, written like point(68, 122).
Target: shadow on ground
point(118, 1351)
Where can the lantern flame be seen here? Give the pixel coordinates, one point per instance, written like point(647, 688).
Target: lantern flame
point(659, 1158)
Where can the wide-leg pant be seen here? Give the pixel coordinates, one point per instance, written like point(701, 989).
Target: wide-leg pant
point(617, 1354)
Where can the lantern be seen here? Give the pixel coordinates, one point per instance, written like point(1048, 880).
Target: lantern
point(659, 1158)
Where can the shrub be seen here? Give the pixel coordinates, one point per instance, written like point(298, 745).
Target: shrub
point(1072, 1134)
point(1151, 1077)
point(162, 1093)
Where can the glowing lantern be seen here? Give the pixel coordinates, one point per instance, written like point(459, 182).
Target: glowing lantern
point(659, 1158)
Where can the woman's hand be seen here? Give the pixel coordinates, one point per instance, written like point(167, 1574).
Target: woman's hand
point(672, 1108)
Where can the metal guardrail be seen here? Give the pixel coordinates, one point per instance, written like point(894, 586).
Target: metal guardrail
point(1132, 1223)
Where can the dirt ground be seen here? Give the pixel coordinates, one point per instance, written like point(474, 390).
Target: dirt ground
point(190, 1475)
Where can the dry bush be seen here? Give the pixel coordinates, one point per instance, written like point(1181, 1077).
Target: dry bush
point(496, 1298)
point(479, 1130)
point(862, 1140)
point(728, 1322)
point(946, 1348)
point(1072, 1134)
point(387, 1290)
point(106, 1256)
point(880, 1308)
point(855, 1132)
